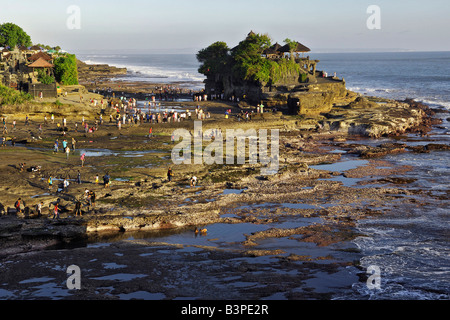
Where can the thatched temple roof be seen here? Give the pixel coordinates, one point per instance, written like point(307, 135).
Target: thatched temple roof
point(40, 63)
point(275, 49)
point(39, 55)
point(300, 48)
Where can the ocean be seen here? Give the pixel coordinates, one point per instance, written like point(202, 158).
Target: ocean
point(409, 245)
point(423, 76)
point(159, 68)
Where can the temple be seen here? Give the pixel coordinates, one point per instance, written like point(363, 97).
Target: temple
point(303, 89)
point(20, 69)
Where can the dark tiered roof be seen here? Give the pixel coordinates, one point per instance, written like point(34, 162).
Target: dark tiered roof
point(251, 33)
point(300, 48)
point(275, 49)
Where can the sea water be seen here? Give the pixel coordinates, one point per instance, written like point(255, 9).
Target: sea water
point(157, 68)
point(423, 76)
point(409, 245)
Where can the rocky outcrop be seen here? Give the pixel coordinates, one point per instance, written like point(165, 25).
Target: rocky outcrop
point(22, 235)
point(305, 98)
point(92, 72)
point(316, 98)
point(366, 118)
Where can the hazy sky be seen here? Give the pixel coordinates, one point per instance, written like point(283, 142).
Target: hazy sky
point(189, 25)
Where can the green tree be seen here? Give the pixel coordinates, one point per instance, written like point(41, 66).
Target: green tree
point(245, 62)
point(248, 61)
point(12, 35)
point(66, 71)
point(214, 58)
point(292, 46)
point(44, 78)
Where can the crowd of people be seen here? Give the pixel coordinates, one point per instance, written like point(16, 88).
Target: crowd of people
point(127, 111)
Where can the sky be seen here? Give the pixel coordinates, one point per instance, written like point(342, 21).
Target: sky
point(186, 26)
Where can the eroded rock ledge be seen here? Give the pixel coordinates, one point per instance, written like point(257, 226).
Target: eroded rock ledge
point(90, 72)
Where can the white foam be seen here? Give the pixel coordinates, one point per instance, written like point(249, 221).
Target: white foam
point(143, 73)
point(434, 102)
point(402, 93)
point(371, 90)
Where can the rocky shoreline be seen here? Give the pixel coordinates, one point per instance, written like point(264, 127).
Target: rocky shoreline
point(95, 72)
point(112, 81)
point(141, 198)
point(141, 201)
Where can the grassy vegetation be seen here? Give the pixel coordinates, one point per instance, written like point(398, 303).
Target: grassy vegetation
point(9, 96)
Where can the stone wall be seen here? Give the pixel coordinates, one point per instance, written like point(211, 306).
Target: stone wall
point(48, 90)
point(316, 98)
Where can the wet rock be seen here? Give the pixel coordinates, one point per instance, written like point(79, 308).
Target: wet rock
point(437, 147)
point(397, 180)
point(380, 151)
point(429, 147)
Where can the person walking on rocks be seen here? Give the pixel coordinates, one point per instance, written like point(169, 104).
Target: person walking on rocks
point(78, 208)
point(106, 179)
point(193, 181)
point(92, 198)
point(169, 174)
point(82, 158)
point(56, 211)
point(50, 183)
point(39, 208)
point(87, 199)
point(79, 177)
point(17, 205)
point(66, 185)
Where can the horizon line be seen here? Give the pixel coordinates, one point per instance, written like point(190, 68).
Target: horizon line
point(184, 51)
